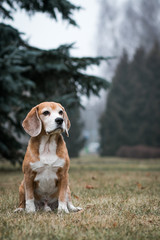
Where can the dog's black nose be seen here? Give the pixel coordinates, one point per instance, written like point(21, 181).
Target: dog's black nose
point(59, 121)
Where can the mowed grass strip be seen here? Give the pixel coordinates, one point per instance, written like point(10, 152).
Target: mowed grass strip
point(120, 200)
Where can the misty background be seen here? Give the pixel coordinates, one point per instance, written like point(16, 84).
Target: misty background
point(107, 29)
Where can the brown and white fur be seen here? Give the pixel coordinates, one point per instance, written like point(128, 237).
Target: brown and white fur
point(46, 163)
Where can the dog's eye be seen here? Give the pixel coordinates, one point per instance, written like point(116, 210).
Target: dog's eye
point(60, 112)
point(46, 113)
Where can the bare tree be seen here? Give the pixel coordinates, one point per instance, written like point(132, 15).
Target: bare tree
point(128, 24)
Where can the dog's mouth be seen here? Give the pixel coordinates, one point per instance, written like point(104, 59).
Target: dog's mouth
point(57, 130)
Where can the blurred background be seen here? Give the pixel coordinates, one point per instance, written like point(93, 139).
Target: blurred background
point(100, 59)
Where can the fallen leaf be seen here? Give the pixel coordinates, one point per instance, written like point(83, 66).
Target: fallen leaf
point(93, 178)
point(89, 187)
point(89, 206)
point(140, 186)
point(75, 196)
point(115, 224)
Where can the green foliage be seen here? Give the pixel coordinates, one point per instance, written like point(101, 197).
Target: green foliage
point(12, 87)
point(132, 113)
point(30, 75)
point(64, 7)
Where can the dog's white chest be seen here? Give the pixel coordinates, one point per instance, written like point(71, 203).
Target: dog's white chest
point(47, 167)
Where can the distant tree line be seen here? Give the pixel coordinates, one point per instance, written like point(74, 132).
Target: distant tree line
point(132, 114)
point(127, 24)
point(29, 75)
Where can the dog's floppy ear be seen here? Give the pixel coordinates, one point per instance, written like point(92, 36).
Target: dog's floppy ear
point(32, 123)
point(67, 123)
point(66, 120)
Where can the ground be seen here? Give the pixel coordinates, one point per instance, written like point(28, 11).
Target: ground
point(120, 200)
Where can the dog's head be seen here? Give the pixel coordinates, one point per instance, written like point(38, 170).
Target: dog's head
point(49, 116)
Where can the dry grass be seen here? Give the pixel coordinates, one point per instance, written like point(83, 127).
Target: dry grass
point(124, 203)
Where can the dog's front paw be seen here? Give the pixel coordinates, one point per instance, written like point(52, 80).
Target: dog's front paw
point(62, 208)
point(75, 209)
point(30, 206)
point(72, 208)
point(18, 210)
point(47, 209)
point(30, 210)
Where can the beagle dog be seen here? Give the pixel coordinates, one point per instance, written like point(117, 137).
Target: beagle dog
point(46, 162)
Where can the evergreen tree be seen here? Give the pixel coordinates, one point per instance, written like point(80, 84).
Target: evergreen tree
point(30, 75)
point(132, 113)
point(151, 112)
point(139, 97)
point(76, 141)
point(112, 130)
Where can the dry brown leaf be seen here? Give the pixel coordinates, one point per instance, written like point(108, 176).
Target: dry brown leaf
point(75, 196)
point(115, 224)
point(140, 186)
point(89, 186)
point(93, 178)
point(89, 206)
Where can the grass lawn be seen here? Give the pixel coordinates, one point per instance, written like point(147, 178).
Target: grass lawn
point(120, 200)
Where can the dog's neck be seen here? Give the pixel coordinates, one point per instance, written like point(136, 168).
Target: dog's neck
point(47, 148)
point(44, 146)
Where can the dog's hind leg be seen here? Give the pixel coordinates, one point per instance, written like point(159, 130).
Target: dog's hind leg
point(70, 205)
point(21, 206)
